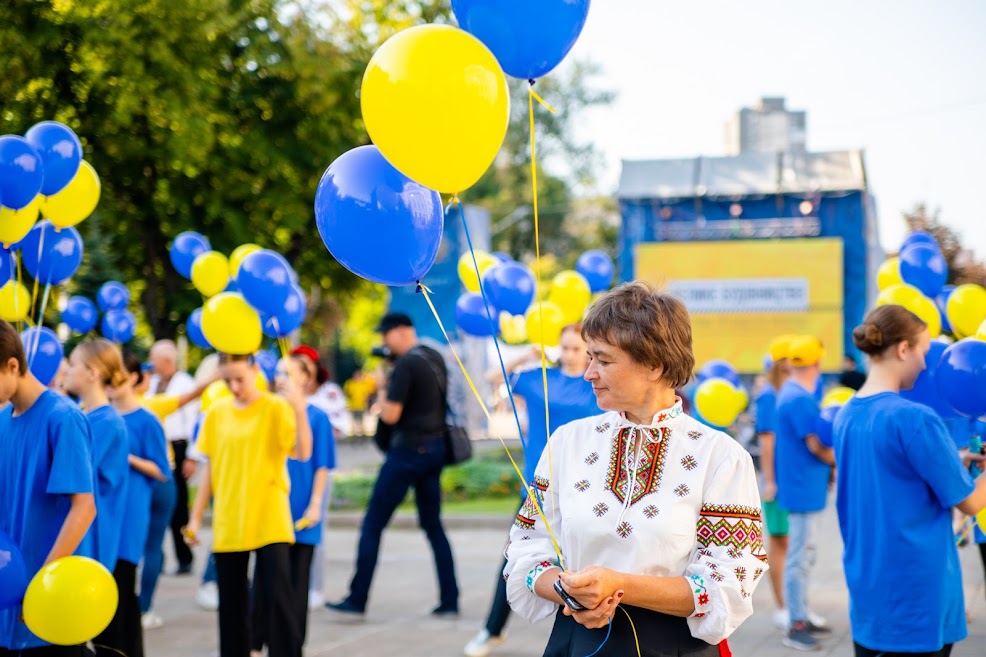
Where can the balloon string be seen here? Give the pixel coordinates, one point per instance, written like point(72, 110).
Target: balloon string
point(493, 326)
point(281, 341)
point(972, 522)
point(541, 100)
point(37, 334)
point(530, 491)
point(17, 288)
point(34, 295)
point(633, 628)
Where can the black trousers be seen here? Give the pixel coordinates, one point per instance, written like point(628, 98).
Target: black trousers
point(49, 651)
point(500, 609)
point(180, 516)
point(273, 573)
point(124, 635)
point(659, 635)
point(866, 652)
point(301, 569)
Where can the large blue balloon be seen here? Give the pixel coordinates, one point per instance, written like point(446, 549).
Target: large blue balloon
point(21, 172)
point(504, 258)
point(924, 267)
point(719, 369)
point(13, 573)
point(962, 377)
point(598, 269)
point(919, 237)
point(509, 287)
point(377, 222)
point(925, 389)
point(80, 314)
point(528, 37)
point(941, 301)
point(471, 317)
point(289, 317)
point(193, 328)
point(44, 353)
point(118, 325)
point(185, 249)
point(264, 280)
point(267, 362)
point(60, 151)
point(50, 255)
point(7, 267)
point(113, 295)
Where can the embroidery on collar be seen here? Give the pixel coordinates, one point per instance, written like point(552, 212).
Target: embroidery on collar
point(650, 468)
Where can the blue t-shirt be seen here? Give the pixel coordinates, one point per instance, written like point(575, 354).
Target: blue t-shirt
point(110, 452)
point(570, 398)
point(899, 477)
point(767, 410)
point(302, 473)
point(146, 440)
point(802, 479)
point(45, 458)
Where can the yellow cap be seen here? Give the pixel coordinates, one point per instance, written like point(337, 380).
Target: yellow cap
point(806, 350)
point(780, 347)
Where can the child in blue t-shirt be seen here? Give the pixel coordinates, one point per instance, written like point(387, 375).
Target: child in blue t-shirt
point(899, 477)
point(46, 479)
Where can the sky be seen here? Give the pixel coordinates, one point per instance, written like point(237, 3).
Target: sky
point(904, 80)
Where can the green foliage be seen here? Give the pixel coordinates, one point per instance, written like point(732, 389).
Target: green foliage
point(962, 267)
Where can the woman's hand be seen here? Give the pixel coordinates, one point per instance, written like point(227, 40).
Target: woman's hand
point(598, 617)
point(592, 585)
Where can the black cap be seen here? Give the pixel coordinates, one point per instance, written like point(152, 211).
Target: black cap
point(393, 320)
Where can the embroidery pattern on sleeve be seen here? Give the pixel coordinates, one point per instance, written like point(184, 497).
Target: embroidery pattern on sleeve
point(701, 595)
point(734, 527)
point(528, 514)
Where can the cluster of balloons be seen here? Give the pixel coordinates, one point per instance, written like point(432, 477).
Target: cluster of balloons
point(377, 208)
point(720, 395)
point(833, 400)
point(509, 287)
point(252, 293)
point(954, 380)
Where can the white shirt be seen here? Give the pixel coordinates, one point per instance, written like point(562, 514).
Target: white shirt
point(692, 510)
point(330, 398)
point(180, 424)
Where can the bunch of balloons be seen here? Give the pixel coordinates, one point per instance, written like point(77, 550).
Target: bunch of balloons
point(833, 400)
point(720, 396)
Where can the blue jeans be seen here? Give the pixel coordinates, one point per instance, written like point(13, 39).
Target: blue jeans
point(163, 496)
point(210, 569)
point(404, 468)
point(800, 559)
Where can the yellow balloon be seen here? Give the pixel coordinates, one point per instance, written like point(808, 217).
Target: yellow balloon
point(513, 328)
point(210, 273)
point(219, 390)
point(237, 256)
point(15, 302)
point(16, 224)
point(231, 325)
point(926, 309)
point(900, 295)
point(70, 601)
point(837, 396)
point(76, 202)
point(966, 309)
point(981, 333)
point(570, 292)
point(889, 273)
point(435, 103)
point(467, 270)
point(981, 519)
point(718, 402)
point(554, 322)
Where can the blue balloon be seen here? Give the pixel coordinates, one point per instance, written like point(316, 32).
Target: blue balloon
point(185, 249)
point(267, 362)
point(924, 267)
point(21, 172)
point(919, 237)
point(823, 428)
point(264, 279)
point(529, 38)
point(509, 287)
point(232, 286)
point(471, 317)
point(504, 258)
point(80, 314)
point(961, 377)
point(377, 222)
point(113, 295)
point(13, 573)
point(193, 328)
point(118, 326)
point(44, 353)
point(925, 388)
point(50, 255)
point(60, 151)
point(719, 369)
point(941, 301)
point(8, 270)
point(289, 317)
point(598, 269)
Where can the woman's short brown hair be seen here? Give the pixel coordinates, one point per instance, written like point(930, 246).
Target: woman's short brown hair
point(12, 347)
point(653, 327)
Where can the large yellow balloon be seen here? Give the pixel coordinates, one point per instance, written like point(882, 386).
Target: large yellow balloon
point(210, 273)
point(15, 302)
point(554, 322)
point(237, 256)
point(926, 309)
point(77, 201)
point(15, 224)
point(231, 325)
point(70, 601)
point(837, 396)
point(467, 270)
point(889, 273)
point(219, 390)
point(966, 309)
point(900, 295)
point(435, 103)
point(981, 333)
point(513, 328)
point(718, 401)
point(570, 292)
point(981, 519)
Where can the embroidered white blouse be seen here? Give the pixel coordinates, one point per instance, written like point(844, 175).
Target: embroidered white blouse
point(686, 505)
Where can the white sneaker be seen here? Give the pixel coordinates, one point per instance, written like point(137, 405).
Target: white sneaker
point(207, 597)
point(482, 644)
point(151, 621)
point(781, 619)
point(816, 620)
point(315, 599)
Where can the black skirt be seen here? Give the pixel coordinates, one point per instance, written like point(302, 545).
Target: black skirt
point(659, 635)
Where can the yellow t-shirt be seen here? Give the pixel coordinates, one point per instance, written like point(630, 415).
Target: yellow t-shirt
point(162, 406)
point(358, 392)
point(248, 450)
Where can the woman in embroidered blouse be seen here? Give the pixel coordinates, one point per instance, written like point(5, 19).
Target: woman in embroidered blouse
point(654, 512)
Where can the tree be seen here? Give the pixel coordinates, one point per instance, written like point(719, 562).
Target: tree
point(962, 265)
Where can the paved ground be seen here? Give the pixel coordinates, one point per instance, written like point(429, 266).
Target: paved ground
point(404, 591)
